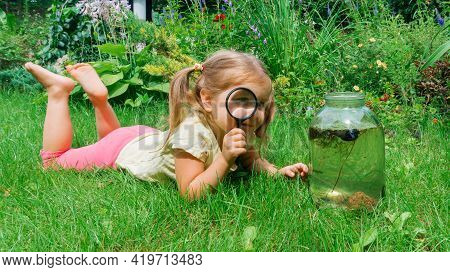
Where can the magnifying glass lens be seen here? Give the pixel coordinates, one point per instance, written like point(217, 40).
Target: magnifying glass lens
point(242, 103)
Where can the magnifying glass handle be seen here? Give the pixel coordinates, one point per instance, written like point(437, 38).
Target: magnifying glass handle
point(238, 159)
point(239, 122)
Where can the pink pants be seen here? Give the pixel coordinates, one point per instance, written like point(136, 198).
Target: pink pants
point(102, 154)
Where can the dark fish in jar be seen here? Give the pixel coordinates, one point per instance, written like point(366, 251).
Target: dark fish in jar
point(345, 134)
point(348, 134)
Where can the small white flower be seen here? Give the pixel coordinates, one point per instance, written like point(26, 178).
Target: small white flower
point(140, 47)
point(114, 10)
point(60, 63)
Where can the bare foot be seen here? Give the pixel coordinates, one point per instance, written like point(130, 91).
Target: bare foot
point(57, 86)
point(88, 78)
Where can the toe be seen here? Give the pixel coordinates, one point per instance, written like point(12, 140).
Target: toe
point(79, 65)
point(28, 66)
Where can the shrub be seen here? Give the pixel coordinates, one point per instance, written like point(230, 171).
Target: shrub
point(130, 70)
point(380, 58)
point(19, 39)
point(19, 79)
point(68, 31)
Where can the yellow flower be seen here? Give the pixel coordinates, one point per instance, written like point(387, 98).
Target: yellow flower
point(354, 66)
point(381, 64)
point(356, 88)
point(319, 82)
point(155, 70)
point(142, 30)
point(282, 82)
point(360, 45)
point(372, 40)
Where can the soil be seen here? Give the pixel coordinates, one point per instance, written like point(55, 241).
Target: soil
point(359, 200)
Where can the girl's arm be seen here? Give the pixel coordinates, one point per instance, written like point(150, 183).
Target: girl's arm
point(192, 178)
point(252, 160)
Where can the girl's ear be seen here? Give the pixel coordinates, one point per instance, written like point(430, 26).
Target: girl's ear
point(206, 100)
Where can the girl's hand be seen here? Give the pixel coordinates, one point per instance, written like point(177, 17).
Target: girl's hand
point(292, 171)
point(234, 145)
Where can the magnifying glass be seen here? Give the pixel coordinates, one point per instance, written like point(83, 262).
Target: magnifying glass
point(241, 104)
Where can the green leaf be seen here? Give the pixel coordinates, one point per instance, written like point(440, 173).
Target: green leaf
point(369, 237)
point(2, 17)
point(117, 89)
point(132, 103)
point(116, 50)
point(109, 79)
point(356, 247)
point(400, 221)
point(397, 221)
point(419, 233)
point(436, 55)
point(390, 216)
point(134, 81)
point(105, 66)
point(248, 236)
point(154, 86)
point(366, 239)
point(76, 90)
point(125, 68)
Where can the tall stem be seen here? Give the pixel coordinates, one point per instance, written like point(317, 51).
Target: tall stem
point(342, 166)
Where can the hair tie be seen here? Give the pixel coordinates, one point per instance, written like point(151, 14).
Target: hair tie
point(198, 67)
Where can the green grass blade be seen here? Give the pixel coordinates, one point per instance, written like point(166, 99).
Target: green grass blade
point(436, 55)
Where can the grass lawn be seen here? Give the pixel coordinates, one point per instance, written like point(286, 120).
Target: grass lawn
point(112, 211)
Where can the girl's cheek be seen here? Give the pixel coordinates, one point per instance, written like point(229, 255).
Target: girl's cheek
point(230, 123)
point(261, 115)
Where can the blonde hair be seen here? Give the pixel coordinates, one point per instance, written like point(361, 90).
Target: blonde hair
point(219, 72)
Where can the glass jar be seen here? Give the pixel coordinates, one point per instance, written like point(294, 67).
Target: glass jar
point(347, 153)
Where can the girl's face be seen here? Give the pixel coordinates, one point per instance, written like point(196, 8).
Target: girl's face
point(225, 122)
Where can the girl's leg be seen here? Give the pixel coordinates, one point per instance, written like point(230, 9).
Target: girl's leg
point(102, 154)
point(105, 118)
point(57, 135)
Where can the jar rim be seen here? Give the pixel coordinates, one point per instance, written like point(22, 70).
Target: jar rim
point(341, 96)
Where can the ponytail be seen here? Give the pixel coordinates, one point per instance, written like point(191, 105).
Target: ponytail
point(179, 97)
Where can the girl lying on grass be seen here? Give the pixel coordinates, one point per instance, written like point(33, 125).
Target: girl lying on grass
point(199, 148)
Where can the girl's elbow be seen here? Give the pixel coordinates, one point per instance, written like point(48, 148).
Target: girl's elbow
point(189, 192)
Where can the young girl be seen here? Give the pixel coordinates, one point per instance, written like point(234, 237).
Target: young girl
point(200, 147)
